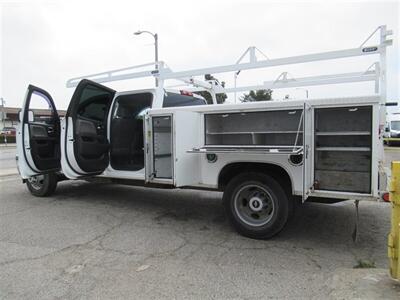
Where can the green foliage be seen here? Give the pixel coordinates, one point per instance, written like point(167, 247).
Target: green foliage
point(10, 139)
point(259, 95)
point(364, 264)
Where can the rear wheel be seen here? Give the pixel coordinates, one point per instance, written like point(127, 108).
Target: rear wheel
point(256, 204)
point(42, 185)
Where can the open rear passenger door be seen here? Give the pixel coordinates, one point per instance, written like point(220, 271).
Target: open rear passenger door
point(38, 137)
point(84, 143)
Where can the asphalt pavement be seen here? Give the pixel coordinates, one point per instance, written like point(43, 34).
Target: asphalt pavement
point(8, 165)
point(104, 241)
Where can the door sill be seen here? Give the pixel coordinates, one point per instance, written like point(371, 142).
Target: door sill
point(135, 175)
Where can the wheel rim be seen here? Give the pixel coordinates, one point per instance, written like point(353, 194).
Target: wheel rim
point(254, 205)
point(36, 182)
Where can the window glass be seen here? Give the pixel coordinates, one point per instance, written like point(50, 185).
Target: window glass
point(94, 103)
point(175, 100)
point(132, 106)
point(40, 109)
point(395, 125)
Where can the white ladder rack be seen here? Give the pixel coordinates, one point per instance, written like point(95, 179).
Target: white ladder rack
point(163, 73)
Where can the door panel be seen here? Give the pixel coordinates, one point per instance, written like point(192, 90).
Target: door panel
point(185, 162)
point(92, 143)
point(38, 137)
point(45, 146)
point(86, 148)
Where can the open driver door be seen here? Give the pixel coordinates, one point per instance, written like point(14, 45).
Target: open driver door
point(38, 134)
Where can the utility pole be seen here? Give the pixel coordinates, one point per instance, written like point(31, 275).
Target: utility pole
point(3, 113)
point(3, 117)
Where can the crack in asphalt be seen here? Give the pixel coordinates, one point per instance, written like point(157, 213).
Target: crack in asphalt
point(72, 247)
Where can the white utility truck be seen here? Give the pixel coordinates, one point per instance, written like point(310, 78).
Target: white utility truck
point(264, 156)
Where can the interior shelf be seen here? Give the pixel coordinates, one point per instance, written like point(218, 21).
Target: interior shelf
point(264, 128)
point(322, 133)
point(343, 149)
point(248, 149)
point(253, 132)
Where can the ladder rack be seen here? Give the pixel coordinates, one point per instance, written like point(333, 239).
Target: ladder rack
point(375, 73)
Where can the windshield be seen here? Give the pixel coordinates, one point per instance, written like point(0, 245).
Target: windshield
point(395, 125)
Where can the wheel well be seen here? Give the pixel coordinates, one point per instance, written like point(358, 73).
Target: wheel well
point(278, 173)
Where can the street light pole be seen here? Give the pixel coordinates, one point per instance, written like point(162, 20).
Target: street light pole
point(155, 36)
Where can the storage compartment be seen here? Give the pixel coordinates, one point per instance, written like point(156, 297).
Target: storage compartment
point(229, 139)
point(343, 141)
point(342, 159)
point(343, 119)
point(162, 147)
point(357, 182)
point(278, 128)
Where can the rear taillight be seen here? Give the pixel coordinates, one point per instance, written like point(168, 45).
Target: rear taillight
point(385, 197)
point(186, 93)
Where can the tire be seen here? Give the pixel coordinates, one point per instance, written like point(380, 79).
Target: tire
point(264, 214)
point(42, 185)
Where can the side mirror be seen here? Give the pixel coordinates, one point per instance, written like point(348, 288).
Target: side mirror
point(30, 116)
point(387, 129)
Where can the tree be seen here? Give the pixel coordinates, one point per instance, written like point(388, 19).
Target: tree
point(259, 95)
point(220, 97)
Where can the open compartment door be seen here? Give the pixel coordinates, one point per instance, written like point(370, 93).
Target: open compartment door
point(159, 152)
point(38, 136)
point(85, 147)
point(187, 135)
point(308, 160)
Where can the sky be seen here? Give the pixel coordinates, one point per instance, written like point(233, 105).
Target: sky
point(47, 42)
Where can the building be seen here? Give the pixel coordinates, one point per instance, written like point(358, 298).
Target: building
point(11, 115)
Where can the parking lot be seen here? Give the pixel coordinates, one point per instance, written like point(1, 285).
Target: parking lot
point(94, 240)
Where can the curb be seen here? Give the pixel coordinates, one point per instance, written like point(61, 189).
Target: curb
point(8, 172)
point(8, 145)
